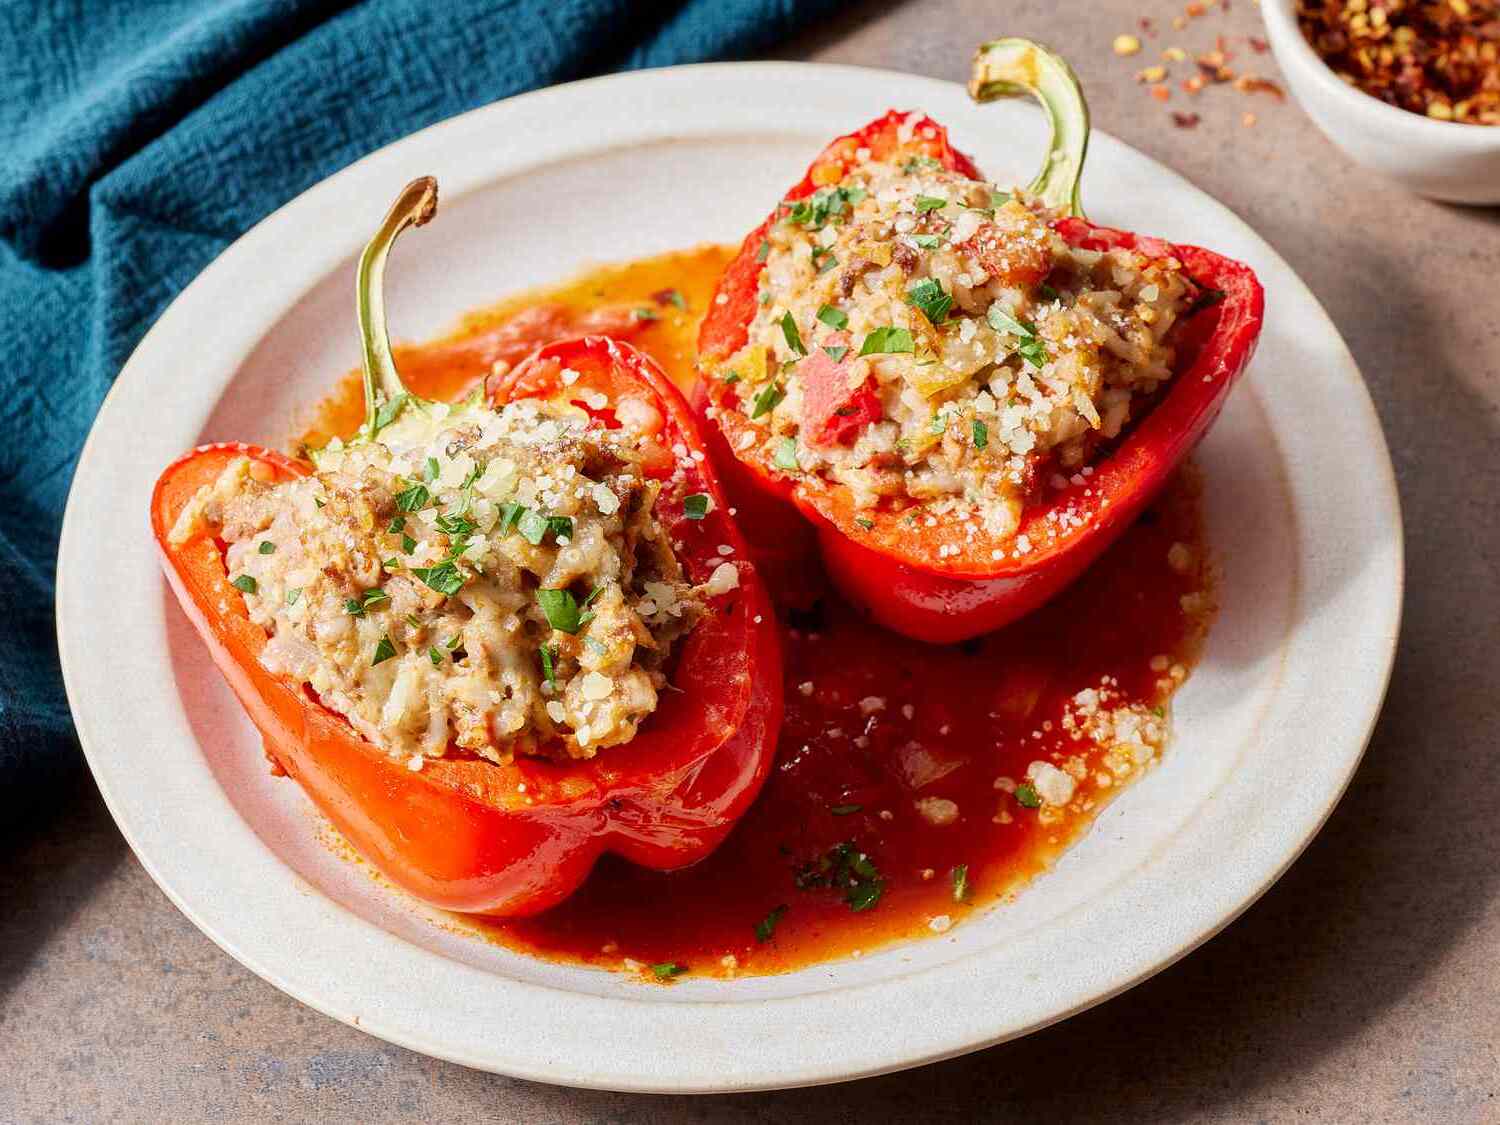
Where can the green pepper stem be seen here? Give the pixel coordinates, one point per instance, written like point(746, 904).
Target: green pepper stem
point(416, 204)
point(1009, 68)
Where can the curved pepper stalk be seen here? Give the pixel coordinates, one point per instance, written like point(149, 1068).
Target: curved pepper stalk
point(467, 834)
point(894, 570)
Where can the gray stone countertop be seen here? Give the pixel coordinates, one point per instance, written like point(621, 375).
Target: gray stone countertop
point(1362, 987)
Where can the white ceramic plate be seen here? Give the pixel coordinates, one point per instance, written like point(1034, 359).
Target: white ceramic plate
point(1300, 500)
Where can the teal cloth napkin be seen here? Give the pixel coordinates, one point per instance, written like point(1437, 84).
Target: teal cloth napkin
point(143, 136)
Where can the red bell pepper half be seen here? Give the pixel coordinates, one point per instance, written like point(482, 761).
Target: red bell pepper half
point(464, 833)
point(895, 569)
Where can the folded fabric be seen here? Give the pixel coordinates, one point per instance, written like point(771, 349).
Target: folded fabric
point(142, 138)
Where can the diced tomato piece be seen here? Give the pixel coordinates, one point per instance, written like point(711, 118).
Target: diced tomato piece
point(833, 413)
point(1016, 255)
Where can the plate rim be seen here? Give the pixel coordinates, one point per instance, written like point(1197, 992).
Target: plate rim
point(583, 1075)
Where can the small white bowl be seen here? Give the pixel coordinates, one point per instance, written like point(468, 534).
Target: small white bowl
point(1439, 159)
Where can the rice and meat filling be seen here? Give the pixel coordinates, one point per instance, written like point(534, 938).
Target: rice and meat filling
point(922, 337)
point(495, 580)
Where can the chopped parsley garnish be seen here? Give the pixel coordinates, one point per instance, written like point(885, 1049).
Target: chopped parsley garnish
point(1046, 292)
point(549, 665)
point(386, 413)
point(793, 337)
point(926, 203)
point(767, 925)
point(435, 656)
point(764, 251)
point(694, 507)
point(561, 610)
point(560, 526)
point(293, 595)
point(533, 526)
point(413, 499)
point(1026, 794)
point(928, 296)
point(672, 297)
point(456, 525)
point(766, 400)
point(999, 198)
point(981, 434)
point(593, 596)
point(408, 544)
point(383, 651)
point(452, 643)
point(763, 297)
point(916, 162)
point(845, 810)
point(937, 423)
point(867, 524)
point(431, 470)
point(244, 583)
point(887, 340)
point(644, 314)
point(823, 206)
point(732, 378)
point(355, 607)
point(834, 318)
point(445, 578)
point(786, 455)
point(844, 867)
point(960, 875)
point(668, 969)
point(823, 259)
point(510, 515)
point(927, 241)
point(397, 525)
point(1159, 712)
point(837, 352)
point(1031, 347)
point(267, 547)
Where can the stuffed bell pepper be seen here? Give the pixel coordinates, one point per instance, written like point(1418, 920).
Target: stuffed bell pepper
point(963, 394)
point(491, 639)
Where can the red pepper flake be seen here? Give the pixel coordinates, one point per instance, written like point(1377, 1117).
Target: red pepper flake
point(1161, 92)
point(1194, 83)
point(1254, 84)
point(1259, 45)
point(1440, 58)
point(1186, 120)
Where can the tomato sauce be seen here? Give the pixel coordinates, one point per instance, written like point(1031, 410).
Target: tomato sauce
point(904, 795)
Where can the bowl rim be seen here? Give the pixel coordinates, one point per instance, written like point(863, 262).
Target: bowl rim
point(1286, 36)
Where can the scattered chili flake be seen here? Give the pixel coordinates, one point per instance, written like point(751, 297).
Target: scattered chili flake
point(1259, 45)
point(1186, 120)
point(1255, 84)
point(1194, 83)
point(1161, 92)
point(1151, 74)
point(1248, 120)
point(1439, 59)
